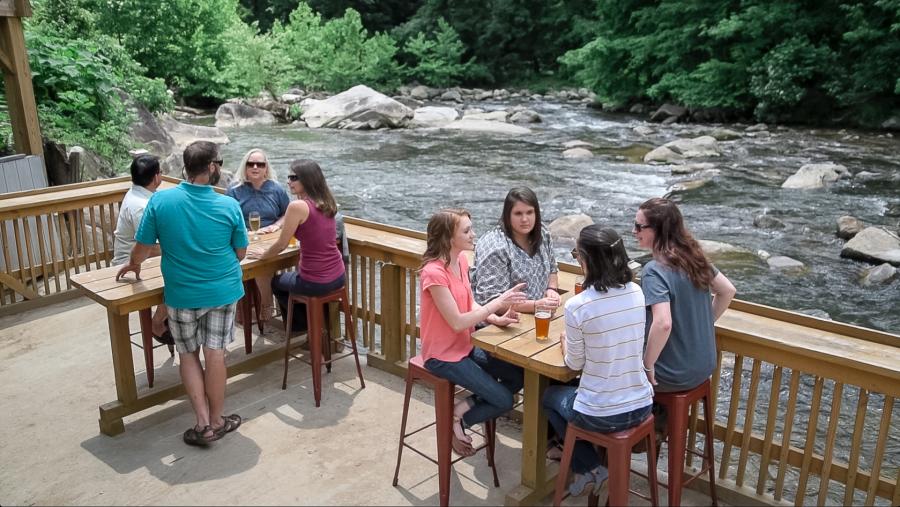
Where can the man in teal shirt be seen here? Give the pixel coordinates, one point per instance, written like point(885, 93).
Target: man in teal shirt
point(203, 238)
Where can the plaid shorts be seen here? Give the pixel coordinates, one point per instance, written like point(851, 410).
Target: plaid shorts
point(195, 327)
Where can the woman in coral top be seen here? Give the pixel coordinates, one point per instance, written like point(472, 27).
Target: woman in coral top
point(448, 315)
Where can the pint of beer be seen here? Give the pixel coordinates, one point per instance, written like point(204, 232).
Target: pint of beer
point(579, 286)
point(542, 316)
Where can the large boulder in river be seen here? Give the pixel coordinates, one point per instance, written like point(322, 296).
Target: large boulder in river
point(568, 228)
point(493, 127)
point(240, 115)
point(667, 111)
point(525, 116)
point(474, 114)
point(848, 226)
point(716, 250)
point(431, 116)
point(781, 262)
point(874, 244)
point(816, 176)
point(680, 149)
point(359, 108)
point(577, 153)
point(879, 274)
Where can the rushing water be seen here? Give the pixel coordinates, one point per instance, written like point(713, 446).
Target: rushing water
point(402, 176)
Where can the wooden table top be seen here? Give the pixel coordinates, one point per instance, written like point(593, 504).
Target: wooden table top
point(101, 285)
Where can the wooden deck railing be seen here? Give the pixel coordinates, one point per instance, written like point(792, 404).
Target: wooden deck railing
point(805, 406)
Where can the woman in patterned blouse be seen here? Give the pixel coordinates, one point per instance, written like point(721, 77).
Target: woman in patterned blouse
point(517, 250)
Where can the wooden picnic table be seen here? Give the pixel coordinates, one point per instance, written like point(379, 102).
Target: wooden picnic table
point(120, 298)
point(542, 361)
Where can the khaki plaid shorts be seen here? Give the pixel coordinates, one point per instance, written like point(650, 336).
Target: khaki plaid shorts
point(208, 327)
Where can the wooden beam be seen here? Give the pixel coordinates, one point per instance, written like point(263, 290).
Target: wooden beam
point(19, 91)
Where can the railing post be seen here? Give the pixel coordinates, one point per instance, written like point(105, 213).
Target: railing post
point(392, 336)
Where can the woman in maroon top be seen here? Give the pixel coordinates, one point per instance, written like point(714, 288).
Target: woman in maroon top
point(310, 219)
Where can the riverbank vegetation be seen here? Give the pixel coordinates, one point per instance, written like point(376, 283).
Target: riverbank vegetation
point(834, 61)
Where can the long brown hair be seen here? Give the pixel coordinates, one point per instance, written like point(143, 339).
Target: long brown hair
point(310, 176)
point(674, 243)
point(440, 231)
point(527, 196)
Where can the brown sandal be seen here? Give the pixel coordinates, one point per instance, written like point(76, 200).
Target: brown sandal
point(196, 436)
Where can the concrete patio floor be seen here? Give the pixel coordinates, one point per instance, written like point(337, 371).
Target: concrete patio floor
point(56, 369)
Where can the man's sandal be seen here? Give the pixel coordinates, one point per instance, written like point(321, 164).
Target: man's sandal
point(230, 423)
point(196, 436)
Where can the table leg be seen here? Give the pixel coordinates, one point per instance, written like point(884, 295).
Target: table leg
point(535, 483)
point(123, 367)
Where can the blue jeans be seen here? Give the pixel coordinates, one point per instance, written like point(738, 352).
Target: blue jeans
point(491, 381)
point(291, 283)
point(559, 402)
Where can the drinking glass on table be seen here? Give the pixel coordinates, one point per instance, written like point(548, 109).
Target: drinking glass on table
point(254, 224)
point(579, 284)
point(542, 316)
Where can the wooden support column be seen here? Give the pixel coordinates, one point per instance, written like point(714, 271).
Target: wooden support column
point(392, 337)
point(19, 91)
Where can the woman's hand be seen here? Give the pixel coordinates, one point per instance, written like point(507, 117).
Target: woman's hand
point(512, 297)
point(651, 375)
point(255, 252)
point(269, 228)
point(551, 295)
point(510, 317)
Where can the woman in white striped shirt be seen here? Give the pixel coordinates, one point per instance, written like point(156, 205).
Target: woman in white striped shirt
point(604, 338)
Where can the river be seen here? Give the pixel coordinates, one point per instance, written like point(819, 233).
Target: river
point(401, 176)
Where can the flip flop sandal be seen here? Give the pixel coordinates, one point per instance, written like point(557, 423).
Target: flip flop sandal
point(194, 436)
point(166, 337)
point(231, 423)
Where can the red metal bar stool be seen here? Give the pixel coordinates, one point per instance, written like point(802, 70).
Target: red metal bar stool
point(444, 392)
point(246, 305)
point(315, 319)
point(147, 343)
point(618, 449)
point(677, 405)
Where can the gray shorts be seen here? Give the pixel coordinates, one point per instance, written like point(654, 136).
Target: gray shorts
point(208, 327)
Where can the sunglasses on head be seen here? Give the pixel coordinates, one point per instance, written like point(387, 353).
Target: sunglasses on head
point(640, 227)
point(575, 253)
point(256, 164)
point(293, 177)
point(218, 162)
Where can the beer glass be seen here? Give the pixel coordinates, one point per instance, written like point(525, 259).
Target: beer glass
point(542, 316)
point(579, 285)
point(254, 223)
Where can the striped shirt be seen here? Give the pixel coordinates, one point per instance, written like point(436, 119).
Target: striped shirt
point(605, 339)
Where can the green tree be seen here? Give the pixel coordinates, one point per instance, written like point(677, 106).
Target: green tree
point(437, 61)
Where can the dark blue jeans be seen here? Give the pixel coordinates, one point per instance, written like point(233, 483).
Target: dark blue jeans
point(491, 381)
point(559, 402)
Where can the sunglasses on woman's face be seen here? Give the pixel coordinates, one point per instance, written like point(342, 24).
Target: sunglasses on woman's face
point(260, 165)
point(575, 253)
point(640, 227)
point(292, 177)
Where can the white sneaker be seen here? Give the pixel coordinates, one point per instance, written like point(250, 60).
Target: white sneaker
point(581, 484)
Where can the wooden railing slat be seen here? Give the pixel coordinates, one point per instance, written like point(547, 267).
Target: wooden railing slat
point(878, 456)
point(749, 415)
point(734, 401)
point(812, 425)
point(862, 403)
point(771, 421)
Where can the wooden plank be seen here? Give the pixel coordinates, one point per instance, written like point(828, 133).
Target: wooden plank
point(771, 420)
point(878, 456)
point(827, 460)
point(749, 415)
point(17, 286)
point(737, 377)
point(52, 247)
point(812, 425)
point(786, 433)
point(862, 403)
point(43, 254)
point(19, 91)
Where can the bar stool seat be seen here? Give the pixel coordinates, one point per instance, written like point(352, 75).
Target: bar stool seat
point(677, 405)
point(618, 449)
point(315, 318)
point(444, 395)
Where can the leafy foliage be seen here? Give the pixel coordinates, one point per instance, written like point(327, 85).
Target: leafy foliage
point(337, 54)
point(774, 59)
point(438, 60)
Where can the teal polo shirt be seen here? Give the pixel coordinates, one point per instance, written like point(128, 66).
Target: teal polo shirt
point(198, 230)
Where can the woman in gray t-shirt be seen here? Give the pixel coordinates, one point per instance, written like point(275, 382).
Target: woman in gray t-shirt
point(684, 294)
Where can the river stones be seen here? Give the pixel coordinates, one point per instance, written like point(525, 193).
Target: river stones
point(431, 116)
point(759, 127)
point(848, 226)
point(692, 168)
point(359, 108)
point(668, 112)
point(569, 227)
point(879, 274)
point(643, 130)
point(723, 134)
point(577, 153)
point(420, 93)
point(472, 114)
point(687, 185)
point(782, 262)
point(493, 127)
point(451, 96)
point(766, 221)
point(663, 155)
point(241, 115)
point(525, 116)
point(874, 244)
point(578, 144)
point(676, 151)
point(816, 176)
